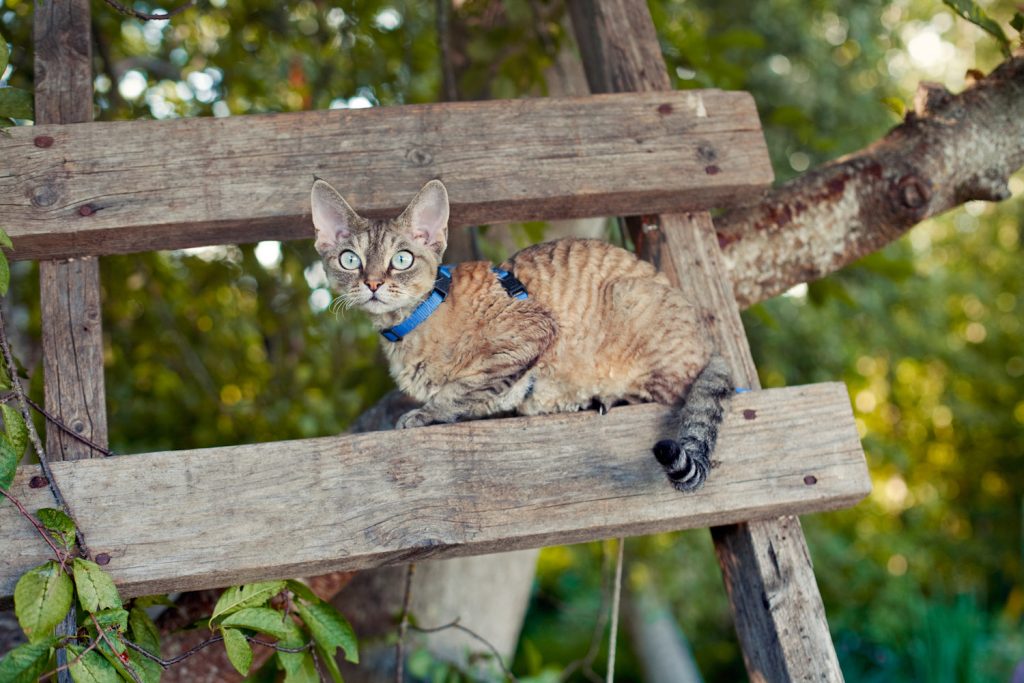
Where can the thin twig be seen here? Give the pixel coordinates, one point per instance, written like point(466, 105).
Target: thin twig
point(103, 636)
point(403, 624)
point(145, 16)
point(59, 424)
point(586, 664)
point(33, 435)
point(616, 598)
point(167, 663)
point(61, 557)
point(64, 667)
point(473, 634)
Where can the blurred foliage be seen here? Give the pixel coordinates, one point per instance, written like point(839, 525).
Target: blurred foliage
point(921, 582)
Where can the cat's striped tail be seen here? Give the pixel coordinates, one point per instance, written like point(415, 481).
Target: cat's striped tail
point(687, 459)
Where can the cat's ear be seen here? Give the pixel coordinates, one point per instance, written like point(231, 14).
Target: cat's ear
point(333, 218)
point(427, 216)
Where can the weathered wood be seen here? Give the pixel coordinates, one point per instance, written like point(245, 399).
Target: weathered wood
point(73, 356)
point(196, 519)
point(70, 291)
point(776, 606)
point(118, 187)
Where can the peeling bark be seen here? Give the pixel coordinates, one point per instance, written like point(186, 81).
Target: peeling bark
point(949, 150)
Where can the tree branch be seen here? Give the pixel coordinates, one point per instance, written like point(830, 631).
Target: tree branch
point(949, 150)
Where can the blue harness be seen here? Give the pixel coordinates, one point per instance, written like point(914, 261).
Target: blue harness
point(442, 284)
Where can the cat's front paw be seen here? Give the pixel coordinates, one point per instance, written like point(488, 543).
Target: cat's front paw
point(415, 418)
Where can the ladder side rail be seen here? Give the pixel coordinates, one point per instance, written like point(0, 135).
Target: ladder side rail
point(776, 606)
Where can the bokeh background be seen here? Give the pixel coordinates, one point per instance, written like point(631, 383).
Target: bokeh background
point(227, 345)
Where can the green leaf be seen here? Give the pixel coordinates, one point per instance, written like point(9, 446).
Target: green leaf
point(96, 590)
point(302, 590)
point(330, 629)
point(263, 619)
point(294, 638)
point(60, 526)
point(1017, 22)
point(5, 240)
point(42, 597)
point(331, 664)
point(16, 430)
point(5, 271)
point(5, 58)
point(143, 632)
point(91, 667)
point(115, 618)
point(16, 103)
point(239, 652)
point(240, 597)
point(969, 10)
point(25, 663)
point(896, 105)
point(150, 600)
point(305, 672)
point(8, 464)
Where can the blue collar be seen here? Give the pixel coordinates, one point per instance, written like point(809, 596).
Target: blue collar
point(423, 311)
point(512, 286)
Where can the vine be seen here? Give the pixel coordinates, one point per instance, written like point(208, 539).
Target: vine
point(118, 640)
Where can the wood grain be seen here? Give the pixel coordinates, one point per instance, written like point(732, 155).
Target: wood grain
point(118, 187)
point(69, 290)
point(186, 520)
point(73, 356)
point(775, 604)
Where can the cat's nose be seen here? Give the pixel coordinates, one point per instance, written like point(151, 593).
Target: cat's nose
point(374, 285)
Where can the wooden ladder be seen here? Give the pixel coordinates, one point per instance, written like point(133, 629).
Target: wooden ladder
point(178, 520)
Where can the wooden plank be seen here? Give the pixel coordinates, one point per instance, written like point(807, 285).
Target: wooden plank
point(69, 290)
point(118, 187)
point(766, 566)
point(73, 356)
point(184, 520)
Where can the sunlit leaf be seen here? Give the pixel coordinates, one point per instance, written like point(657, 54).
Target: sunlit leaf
point(896, 105)
point(25, 663)
point(240, 597)
point(303, 591)
point(8, 464)
point(330, 629)
point(60, 526)
point(262, 619)
point(91, 667)
point(238, 649)
point(294, 638)
point(5, 271)
point(5, 54)
point(15, 428)
point(972, 12)
point(305, 672)
point(96, 589)
point(16, 103)
point(5, 240)
point(42, 597)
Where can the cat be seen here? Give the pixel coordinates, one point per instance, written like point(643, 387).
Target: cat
point(594, 326)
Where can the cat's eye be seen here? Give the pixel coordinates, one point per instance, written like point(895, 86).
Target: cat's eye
point(349, 260)
point(401, 260)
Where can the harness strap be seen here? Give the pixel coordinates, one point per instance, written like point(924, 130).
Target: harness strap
point(442, 284)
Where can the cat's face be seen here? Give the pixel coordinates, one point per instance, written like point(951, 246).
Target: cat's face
point(381, 266)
